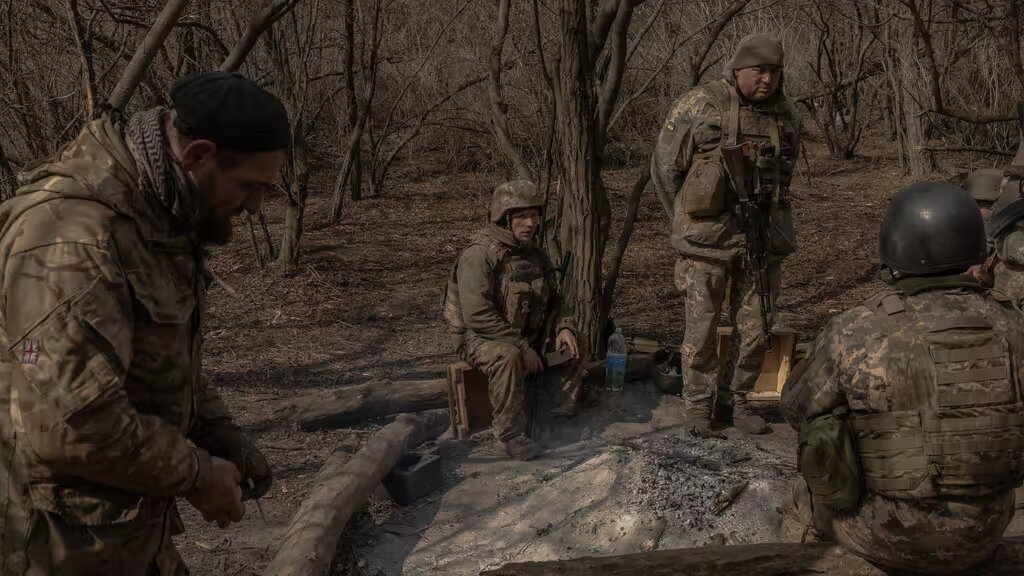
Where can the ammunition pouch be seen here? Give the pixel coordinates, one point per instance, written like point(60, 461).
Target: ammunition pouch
point(705, 186)
point(828, 461)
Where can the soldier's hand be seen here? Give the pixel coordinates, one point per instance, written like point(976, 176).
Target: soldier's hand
point(217, 494)
point(532, 364)
point(258, 470)
point(566, 339)
point(228, 441)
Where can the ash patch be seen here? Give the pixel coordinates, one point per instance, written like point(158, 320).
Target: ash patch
point(708, 491)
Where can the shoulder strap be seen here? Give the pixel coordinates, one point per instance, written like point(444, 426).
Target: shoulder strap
point(887, 305)
point(732, 126)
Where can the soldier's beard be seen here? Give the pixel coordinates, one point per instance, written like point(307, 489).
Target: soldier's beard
point(213, 230)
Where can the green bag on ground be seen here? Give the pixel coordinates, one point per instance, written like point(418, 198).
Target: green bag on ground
point(829, 462)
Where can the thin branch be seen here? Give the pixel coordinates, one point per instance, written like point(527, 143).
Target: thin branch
point(412, 78)
point(697, 67)
point(83, 44)
point(643, 31)
point(498, 107)
point(263, 19)
point(616, 69)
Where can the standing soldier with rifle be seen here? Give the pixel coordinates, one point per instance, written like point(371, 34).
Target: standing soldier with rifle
point(722, 166)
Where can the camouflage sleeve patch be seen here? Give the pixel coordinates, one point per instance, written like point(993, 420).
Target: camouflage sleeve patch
point(685, 127)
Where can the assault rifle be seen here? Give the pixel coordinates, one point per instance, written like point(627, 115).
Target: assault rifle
point(751, 169)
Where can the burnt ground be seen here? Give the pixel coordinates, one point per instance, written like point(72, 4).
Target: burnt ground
point(365, 304)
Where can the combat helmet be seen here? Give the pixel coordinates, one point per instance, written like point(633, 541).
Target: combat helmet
point(985, 185)
point(931, 228)
point(514, 195)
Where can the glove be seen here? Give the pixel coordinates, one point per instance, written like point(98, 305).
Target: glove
point(227, 441)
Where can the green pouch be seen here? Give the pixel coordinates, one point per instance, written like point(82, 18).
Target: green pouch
point(829, 461)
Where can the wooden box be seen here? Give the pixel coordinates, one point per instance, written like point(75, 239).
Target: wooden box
point(469, 404)
point(775, 368)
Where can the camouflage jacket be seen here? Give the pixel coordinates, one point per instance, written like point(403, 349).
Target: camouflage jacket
point(500, 290)
point(919, 446)
point(100, 375)
point(686, 167)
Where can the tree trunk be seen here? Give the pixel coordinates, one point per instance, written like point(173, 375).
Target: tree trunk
point(761, 559)
point(83, 44)
point(352, 168)
point(581, 236)
point(297, 183)
point(8, 180)
point(145, 53)
point(341, 407)
point(615, 265)
point(919, 159)
point(263, 19)
point(308, 545)
point(498, 108)
point(355, 183)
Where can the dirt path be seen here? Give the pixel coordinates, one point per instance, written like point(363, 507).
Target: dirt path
point(365, 304)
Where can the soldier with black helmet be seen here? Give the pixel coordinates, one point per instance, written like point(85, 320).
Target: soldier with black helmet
point(502, 307)
point(909, 406)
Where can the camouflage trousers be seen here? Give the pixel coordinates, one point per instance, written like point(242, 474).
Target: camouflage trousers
point(142, 547)
point(507, 384)
point(705, 285)
point(927, 536)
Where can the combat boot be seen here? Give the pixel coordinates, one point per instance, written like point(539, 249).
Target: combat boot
point(744, 418)
point(698, 423)
point(519, 448)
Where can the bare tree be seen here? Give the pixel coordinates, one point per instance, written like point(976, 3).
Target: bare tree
point(360, 107)
point(145, 53)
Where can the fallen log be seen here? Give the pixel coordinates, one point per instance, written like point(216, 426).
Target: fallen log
point(353, 404)
point(342, 488)
point(760, 559)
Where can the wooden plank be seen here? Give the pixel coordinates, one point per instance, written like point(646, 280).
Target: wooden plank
point(775, 367)
point(760, 559)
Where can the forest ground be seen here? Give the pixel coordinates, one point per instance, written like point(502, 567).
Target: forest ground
point(365, 304)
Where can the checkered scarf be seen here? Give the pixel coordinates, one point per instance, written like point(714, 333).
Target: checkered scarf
point(159, 176)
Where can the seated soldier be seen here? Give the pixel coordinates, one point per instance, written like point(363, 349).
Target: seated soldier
point(909, 406)
point(501, 308)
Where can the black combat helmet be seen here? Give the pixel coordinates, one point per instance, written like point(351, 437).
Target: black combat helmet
point(931, 228)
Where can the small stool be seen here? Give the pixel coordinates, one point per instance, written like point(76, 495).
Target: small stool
point(469, 402)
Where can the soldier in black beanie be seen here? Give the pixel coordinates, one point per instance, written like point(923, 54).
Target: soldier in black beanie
point(102, 273)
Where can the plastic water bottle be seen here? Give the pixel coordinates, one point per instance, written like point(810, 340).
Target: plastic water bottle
point(615, 362)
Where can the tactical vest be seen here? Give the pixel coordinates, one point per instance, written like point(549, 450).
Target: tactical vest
point(958, 429)
point(521, 289)
point(742, 124)
point(703, 213)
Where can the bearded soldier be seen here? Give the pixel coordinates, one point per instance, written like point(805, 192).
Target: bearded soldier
point(745, 114)
point(502, 306)
point(105, 414)
point(909, 406)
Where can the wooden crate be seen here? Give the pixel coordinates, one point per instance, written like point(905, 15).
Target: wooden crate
point(775, 368)
point(469, 404)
